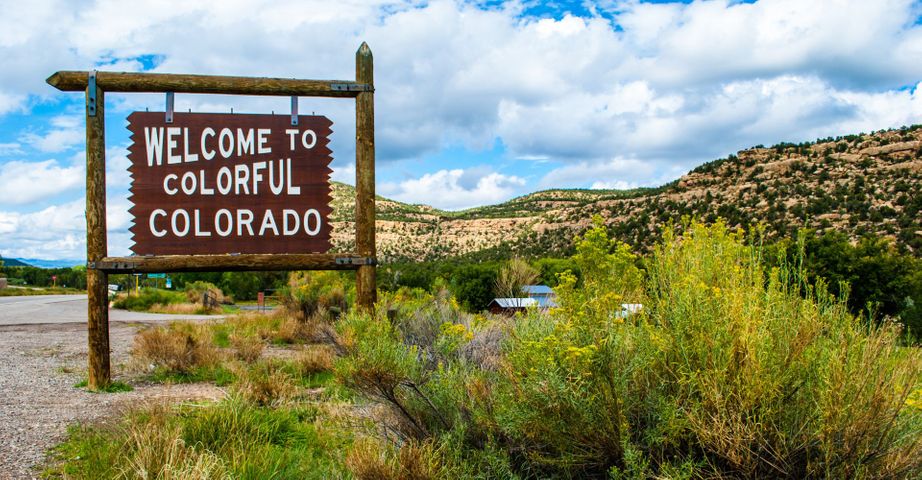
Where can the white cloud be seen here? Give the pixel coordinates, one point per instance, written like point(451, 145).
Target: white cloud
point(455, 189)
point(65, 133)
point(27, 182)
point(674, 85)
point(11, 148)
point(59, 231)
point(56, 232)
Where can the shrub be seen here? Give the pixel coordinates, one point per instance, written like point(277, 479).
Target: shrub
point(196, 291)
point(731, 369)
point(178, 348)
point(147, 298)
point(314, 360)
point(246, 348)
point(265, 383)
point(310, 293)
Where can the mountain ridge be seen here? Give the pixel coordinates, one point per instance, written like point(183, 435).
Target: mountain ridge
point(859, 184)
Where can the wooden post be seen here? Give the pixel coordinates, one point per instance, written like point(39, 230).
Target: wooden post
point(365, 177)
point(96, 280)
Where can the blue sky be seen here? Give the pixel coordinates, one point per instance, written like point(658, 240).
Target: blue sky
point(476, 102)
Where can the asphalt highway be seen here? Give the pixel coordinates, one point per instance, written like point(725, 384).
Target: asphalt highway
point(43, 309)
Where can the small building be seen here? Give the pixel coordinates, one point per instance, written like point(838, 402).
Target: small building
point(537, 296)
point(509, 306)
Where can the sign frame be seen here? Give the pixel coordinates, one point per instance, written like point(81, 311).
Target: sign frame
point(99, 265)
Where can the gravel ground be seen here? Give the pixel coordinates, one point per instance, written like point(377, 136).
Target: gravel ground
point(39, 365)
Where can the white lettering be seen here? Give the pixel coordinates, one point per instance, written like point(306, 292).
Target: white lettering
point(198, 229)
point(166, 186)
point(241, 177)
point(188, 187)
point(228, 150)
point(262, 134)
point(257, 177)
point(292, 190)
point(153, 138)
point(185, 216)
point(313, 139)
point(245, 142)
point(224, 181)
point(190, 157)
point(205, 189)
point(292, 133)
point(244, 217)
point(311, 213)
point(171, 144)
point(268, 221)
point(217, 222)
point(286, 214)
point(207, 154)
point(153, 217)
point(277, 189)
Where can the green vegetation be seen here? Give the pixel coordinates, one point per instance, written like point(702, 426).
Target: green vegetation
point(229, 439)
point(147, 298)
point(732, 369)
point(113, 387)
point(742, 363)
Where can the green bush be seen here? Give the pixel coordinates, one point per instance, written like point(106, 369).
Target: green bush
point(147, 298)
point(732, 369)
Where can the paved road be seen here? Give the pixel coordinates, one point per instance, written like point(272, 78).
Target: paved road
point(40, 309)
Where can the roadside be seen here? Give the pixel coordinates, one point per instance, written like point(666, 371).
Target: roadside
point(43, 355)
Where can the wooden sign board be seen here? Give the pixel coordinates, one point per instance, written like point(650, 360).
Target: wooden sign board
point(229, 183)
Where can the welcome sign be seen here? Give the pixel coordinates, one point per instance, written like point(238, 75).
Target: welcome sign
point(229, 183)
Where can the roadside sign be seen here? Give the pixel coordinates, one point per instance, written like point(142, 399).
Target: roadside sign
point(156, 275)
point(169, 283)
point(229, 183)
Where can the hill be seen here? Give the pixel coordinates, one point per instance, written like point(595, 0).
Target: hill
point(13, 262)
point(858, 184)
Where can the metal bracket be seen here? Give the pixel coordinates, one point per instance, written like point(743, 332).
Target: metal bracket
point(356, 261)
point(352, 87)
point(169, 107)
point(294, 110)
point(101, 265)
point(91, 94)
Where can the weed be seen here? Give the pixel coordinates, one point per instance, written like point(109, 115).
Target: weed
point(178, 348)
point(112, 387)
point(247, 349)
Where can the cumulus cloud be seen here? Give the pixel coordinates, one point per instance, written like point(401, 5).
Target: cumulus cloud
point(25, 182)
point(455, 189)
point(65, 133)
point(59, 231)
point(10, 148)
point(659, 87)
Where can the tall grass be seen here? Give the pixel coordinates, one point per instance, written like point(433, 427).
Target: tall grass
point(230, 439)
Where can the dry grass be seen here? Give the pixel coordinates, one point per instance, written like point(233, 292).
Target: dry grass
point(179, 347)
point(157, 450)
point(247, 348)
point(265, 384)
point(294, 330)
point(369, 460)
point(315, 359)
point(183, 309)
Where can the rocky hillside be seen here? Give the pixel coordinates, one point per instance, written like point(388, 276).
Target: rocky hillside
point(867, 183)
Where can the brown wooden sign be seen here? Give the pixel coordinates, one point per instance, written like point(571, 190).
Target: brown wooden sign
point(229, 183)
